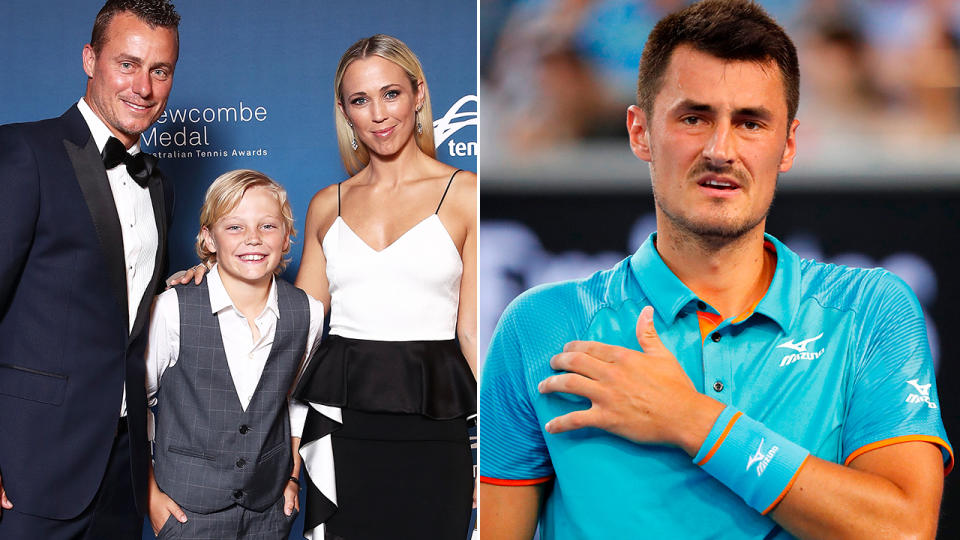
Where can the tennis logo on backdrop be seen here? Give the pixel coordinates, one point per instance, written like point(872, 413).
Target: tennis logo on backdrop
point(449, 124)
point(184, 133)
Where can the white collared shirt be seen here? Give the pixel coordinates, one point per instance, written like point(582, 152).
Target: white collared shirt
point(246, 358)
point(137, 223)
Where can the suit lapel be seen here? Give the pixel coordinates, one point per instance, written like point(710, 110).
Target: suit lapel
point(92, 178)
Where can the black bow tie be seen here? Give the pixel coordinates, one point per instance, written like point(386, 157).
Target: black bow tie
point(139, 166)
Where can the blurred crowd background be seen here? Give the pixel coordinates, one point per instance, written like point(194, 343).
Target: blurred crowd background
point(556, 71)
point(876, 181)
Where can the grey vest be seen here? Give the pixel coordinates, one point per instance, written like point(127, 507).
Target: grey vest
point(209, 452)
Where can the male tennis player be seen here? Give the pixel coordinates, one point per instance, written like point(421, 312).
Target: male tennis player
point(713, 384)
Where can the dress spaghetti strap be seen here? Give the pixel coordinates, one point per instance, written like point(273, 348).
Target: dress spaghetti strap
point(446, 190)
point(338, 198)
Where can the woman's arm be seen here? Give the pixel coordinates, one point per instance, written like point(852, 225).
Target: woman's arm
point(312, 276)
point(465, 196)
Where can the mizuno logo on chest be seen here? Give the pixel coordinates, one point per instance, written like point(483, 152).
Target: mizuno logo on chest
point(802, 352)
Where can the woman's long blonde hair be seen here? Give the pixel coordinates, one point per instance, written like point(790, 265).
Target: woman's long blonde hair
point(396, 51)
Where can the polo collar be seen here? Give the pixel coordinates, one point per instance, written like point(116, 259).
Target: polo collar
point(782, 299)
point(220, 300)
point(669, 296)
point(660, 285)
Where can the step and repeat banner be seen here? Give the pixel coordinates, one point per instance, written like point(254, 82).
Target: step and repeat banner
point(534, 237)
point(253, 89)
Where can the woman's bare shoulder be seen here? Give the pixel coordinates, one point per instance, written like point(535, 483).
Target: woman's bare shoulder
point(323, 209)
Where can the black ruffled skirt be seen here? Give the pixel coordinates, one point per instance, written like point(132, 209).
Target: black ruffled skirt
point(429, 378)
point(402, 456)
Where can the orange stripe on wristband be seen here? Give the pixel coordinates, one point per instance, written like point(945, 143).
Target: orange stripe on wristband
point(723, 435)
point(520, 482)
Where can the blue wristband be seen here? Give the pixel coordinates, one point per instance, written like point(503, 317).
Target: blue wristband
point(750, 459)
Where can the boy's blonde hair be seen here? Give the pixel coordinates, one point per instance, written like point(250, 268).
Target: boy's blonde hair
point(225, 193)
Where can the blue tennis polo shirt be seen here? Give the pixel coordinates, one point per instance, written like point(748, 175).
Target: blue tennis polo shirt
point(833, 358)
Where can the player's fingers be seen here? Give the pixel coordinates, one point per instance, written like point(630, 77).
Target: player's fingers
point(581, 363)
point(600, 351)
point(571, 421)
point(647, 333)
point(570, 383)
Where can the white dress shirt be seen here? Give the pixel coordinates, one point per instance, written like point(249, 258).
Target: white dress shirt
point(246, 358)
point(137, 222)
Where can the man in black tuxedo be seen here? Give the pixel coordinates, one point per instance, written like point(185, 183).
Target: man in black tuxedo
point(84, 217)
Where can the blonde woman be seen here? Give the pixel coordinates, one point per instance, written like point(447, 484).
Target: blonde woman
point(391, 252)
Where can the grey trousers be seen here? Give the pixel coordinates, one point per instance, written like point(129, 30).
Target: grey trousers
point(233, 523)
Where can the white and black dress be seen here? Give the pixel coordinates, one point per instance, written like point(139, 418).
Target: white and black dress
point(392, 364)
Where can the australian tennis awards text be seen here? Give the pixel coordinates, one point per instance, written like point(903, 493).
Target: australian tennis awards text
point(187, 129)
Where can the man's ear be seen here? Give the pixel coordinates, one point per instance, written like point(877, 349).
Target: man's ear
point(790, 148)
point(89, 60)
point(639, 132)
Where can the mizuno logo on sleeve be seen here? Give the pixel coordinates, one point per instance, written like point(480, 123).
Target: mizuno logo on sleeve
point(922, 395)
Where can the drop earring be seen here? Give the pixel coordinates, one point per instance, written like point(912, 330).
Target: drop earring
point(419, 125)
point(353, 142)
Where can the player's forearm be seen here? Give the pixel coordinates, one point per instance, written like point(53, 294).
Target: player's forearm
point(828, 500)
point(816, 499)
point(508, 512)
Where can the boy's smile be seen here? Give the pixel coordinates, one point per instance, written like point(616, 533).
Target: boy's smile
point(250, 240)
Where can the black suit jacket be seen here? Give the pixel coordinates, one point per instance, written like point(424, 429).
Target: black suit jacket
point(65, 348)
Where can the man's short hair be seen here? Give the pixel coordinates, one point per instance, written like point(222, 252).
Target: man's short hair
point(727, 29)
point(153, 12)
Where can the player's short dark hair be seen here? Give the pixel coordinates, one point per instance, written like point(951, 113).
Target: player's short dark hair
point(727, 29)
point(153, 12)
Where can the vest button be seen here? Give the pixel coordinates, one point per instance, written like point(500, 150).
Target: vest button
point(241, 463)
point(244, 429)
point(718, 386)
point(238, 494)
point(715, 337)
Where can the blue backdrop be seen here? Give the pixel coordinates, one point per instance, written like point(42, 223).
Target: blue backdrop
point(253, 88)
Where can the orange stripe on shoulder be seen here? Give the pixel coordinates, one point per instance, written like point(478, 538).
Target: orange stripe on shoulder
point(786, 489)
point(902, 439)
point(509, 482)
point(723, 435)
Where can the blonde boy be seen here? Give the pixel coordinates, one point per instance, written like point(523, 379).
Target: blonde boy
point(221, 360)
